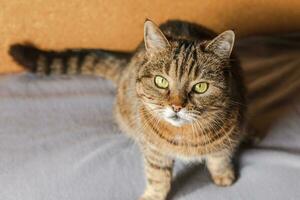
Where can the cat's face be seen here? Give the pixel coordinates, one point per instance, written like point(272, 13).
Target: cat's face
point(182, 82)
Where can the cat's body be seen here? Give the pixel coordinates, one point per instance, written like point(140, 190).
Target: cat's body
point(169, 120)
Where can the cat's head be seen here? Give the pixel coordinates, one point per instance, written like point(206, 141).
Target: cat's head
point(184, 81)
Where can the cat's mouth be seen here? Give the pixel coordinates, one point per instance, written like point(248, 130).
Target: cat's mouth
point(175, 117)
point(176, 120)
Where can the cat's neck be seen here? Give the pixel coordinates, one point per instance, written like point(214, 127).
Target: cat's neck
point(191, 137)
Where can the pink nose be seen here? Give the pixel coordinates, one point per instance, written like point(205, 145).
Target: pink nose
point(176, 108)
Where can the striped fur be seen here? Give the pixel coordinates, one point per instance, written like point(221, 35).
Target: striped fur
point(185, 54)
point(183, 57)
point(104, 63)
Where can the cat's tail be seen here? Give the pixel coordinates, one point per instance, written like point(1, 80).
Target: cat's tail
point(108, 64)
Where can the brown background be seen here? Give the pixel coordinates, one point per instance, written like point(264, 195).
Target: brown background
point(118, 24)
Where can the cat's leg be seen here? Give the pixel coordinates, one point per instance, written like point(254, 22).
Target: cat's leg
point(158, 169)
point(221, 169)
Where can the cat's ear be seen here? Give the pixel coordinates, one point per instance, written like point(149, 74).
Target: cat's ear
point(154, 39)
point(222, 44)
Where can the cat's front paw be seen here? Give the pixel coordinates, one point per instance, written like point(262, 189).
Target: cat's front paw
point(143, 198)
point(225, 179)
point(149, 198)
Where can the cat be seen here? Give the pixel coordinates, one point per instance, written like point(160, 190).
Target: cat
point(180, 95)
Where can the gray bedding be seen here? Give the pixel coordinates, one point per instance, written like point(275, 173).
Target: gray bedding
point(58, 139)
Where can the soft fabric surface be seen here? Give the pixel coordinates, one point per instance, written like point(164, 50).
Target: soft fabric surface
point(58, 140)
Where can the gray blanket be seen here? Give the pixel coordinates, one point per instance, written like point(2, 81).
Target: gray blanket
point(58, 139)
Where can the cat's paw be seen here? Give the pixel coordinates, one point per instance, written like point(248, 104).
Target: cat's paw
point(149, 198)
point(144, 198)
point(225, 179)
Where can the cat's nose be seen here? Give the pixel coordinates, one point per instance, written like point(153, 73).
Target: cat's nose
point(176, 108)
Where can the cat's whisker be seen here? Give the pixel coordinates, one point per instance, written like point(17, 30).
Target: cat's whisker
point(199, 125)
point(222, 128)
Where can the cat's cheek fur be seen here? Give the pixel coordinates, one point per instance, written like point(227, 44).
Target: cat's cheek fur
point(138, 87)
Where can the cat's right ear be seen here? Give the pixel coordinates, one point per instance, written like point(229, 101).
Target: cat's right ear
point(222, 44)
point(155, 41)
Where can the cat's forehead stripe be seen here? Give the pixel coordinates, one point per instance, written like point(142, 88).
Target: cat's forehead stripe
point(193, 65)
point(184, 60)
point(183, 63)
point(191, 61)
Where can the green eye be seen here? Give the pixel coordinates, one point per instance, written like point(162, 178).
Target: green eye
point(200, 87)
point(161, 82)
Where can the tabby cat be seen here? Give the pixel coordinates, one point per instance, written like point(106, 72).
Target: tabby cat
point(180, 95)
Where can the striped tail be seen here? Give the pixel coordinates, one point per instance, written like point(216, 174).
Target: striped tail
point(104, 63)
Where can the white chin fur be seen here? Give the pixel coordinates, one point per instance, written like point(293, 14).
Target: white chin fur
point(177, 122)
point(169, 114)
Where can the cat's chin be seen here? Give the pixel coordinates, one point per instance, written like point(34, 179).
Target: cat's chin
point(176, 121)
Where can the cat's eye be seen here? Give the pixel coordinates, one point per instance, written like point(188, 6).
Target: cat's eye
point(161, 82)
point(201, 87)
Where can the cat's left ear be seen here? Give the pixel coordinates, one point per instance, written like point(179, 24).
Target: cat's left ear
point(154, 39)
point(222, 44)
